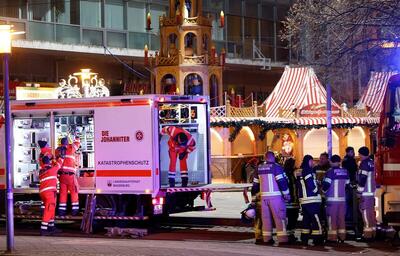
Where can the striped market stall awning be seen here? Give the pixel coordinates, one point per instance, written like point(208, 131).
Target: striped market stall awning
point(297, 88)
point(247, 119)
point(337, 121)
point(299, 92)
point(375, 92)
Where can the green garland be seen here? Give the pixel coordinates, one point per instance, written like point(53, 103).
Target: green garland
point(266, 126)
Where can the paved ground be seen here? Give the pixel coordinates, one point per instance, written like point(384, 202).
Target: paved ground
point(227, 204)
point(28, 245)
point(202, 233)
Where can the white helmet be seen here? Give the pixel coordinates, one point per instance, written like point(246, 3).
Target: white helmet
point(248, 214)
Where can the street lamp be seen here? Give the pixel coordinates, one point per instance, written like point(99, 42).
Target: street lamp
point(5, 50)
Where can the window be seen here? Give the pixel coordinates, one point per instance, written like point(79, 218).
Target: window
point(154, 42)
point(67, 34)
point(40, 10)
point(116, 40)
point(66, 11)
point(217, 33)
point(214, 5)
point(394, 110)
point(13, 9)
point(267, 38)
point(138, 40)
point(136, 17)
point(156, 12)
point(114, 12)
point(235, 7)
point(282, 11)
point(267, 11)
point(40, 31)
point(252, 8)
point(251, 34)
point(234, 27)
point(90, 13)
point(92, 37)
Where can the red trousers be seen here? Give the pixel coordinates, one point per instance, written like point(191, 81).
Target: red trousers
point(173, 156)
point(68, 183)
point(49, 199)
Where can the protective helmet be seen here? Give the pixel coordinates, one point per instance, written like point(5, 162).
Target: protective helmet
point(248, 214)
point(363, 151)
point(64, 141)
point(42, 143)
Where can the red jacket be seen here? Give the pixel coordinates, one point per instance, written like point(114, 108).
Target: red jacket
point(69, 158)
point(48, 177)
point(46, 151)
point(2, 120)
point(173, 131)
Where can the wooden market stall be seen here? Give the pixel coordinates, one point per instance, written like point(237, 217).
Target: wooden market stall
point(291, 121)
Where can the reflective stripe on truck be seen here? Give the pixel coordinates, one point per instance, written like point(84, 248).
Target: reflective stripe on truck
point(391, 167)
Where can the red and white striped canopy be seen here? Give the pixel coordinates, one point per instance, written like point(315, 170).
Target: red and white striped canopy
point(238, 119)
point(297, 88)
point(375, 92)
point(336, 120)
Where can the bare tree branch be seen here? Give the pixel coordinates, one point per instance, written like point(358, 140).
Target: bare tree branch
point(343, 39)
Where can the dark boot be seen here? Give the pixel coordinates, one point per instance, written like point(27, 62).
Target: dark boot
point(75, 209)
point(54, 230)
point(304, 239)
point(44, 229)
point(62, 209)
point(74, 212)
point(185, 181)
point(319, 241)
point(292, 239)
point(171, 182)
point(45, 232)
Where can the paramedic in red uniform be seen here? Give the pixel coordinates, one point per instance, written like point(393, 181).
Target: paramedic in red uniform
point(45, 150)
point(180, 144)
point(48, 193)
point(68, 181)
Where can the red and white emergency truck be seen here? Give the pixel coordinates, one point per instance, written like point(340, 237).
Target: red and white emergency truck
point(123, 160)
point(387, 158)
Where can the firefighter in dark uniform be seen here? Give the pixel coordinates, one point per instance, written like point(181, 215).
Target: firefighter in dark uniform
point(271, 181)
point(366, 187)
point(292, 206)
point(349, 163)
point(320, 170)
point(310, 202)
point(322, 167)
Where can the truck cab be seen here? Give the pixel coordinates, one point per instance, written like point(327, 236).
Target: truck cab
point(387, 158)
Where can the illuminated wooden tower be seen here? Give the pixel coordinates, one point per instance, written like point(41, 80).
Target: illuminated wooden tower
point(187, 63)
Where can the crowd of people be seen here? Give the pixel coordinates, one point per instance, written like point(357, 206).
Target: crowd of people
point(322, 193)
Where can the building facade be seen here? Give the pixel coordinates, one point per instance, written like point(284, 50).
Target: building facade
point(108, 36)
